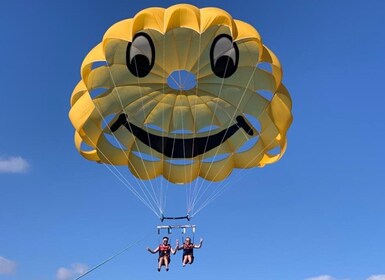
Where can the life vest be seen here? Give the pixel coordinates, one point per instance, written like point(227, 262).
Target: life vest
point(188, 249)
point(164, 250)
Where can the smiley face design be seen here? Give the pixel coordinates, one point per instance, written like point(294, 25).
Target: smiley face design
point(181, 92)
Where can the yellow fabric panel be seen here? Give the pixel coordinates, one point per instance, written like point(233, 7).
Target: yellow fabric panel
point(243, 80)
point(213, 17)
point(110, 154)
point(144, 169)
point(151, 18)
point(134, 96)
point(186, 47)
point(255, 105)
point(228, 147)
point(182, 15)
point(121, 30)
point(90, 155)
point(263, 80)
point(269, 56)
point(78, 91)
point(125, 138)
point(182, 119)
point(225, 148)
point(202, 65)
point(140, 147)
point(100, 78)
point(181, 174)
point(281, 110)
point(269, 131)
point(161, 115)
point(141, 108)
point(250, 53)
point(115, 50)
point(203, 117)
point(251, 157)
point(91, 132)
point(95, 55)
point(179, 50)
point(81, 111)
point(247, 31)
point(217, 171)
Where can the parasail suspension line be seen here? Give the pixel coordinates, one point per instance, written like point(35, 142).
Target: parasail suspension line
point(110, 258)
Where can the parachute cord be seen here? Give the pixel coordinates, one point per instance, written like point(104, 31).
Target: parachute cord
point(173, 143)
point(212, 121)
point(163, 189)
point(156, 196)
point(125, 182)
point(182, 122)
point(215, 194)
point(139, 183)
point(218, 192)
point(121, 148)
point(131, 188)
point(201, 194)
point(110, 258)
point(153, 197)
point(133, 191)
point(224, 186)
point(236, 108)
point(191, 189)
point(197, 191)
point(143, 188)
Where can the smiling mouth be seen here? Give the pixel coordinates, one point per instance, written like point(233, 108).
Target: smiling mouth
point(185, 147)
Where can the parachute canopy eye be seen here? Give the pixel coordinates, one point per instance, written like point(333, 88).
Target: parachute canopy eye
point(140, 55)
point(224, 56)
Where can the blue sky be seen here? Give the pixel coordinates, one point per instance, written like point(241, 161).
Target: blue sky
point(318, 214)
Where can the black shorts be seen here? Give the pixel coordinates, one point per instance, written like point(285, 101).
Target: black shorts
point(192, 257)
point(168, 258)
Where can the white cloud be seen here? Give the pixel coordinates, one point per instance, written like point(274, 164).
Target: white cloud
point(7, 266)
point(321, 277)
point(75, 270)
point(377, 277)
point(13, 165)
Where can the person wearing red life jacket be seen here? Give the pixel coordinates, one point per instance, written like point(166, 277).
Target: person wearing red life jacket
point(165, 250)
point(188, 250)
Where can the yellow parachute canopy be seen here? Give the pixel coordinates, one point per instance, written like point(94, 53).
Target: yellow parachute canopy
point(180, 92)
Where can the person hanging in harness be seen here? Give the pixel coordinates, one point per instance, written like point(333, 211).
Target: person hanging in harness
point(188, 250)
point(165, 250)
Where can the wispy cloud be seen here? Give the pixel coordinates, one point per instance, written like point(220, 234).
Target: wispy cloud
point(377, 277)
point(321, 277)
point(7, 266)
point(76, 269)
point(13, 165)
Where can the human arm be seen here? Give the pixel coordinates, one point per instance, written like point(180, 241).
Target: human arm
point(199, 245)
point(173, 251)
point(153, 251)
